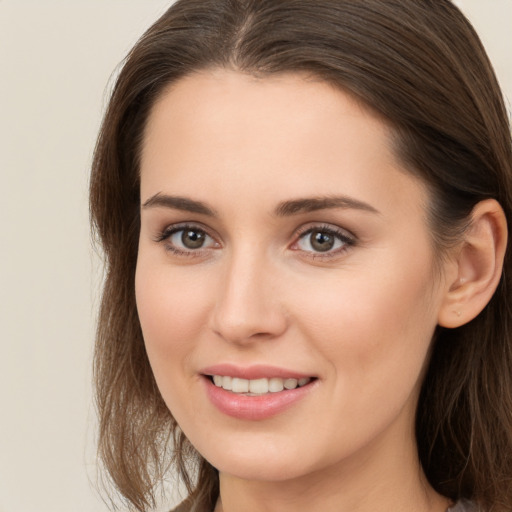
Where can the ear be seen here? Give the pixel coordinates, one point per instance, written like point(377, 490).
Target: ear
point(478, 266)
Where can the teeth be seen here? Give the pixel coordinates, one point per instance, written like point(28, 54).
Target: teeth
point(275, 385)
point(240, 385)
point(290, 383)
point(227, 383)
point(258, 386)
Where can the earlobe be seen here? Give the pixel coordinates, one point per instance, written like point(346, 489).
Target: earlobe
point(479, 265)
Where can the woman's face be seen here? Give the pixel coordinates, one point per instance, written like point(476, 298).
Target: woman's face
point(283, 246)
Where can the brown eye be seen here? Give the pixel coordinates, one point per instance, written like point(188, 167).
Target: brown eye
point(321, 241)
point(193, 239)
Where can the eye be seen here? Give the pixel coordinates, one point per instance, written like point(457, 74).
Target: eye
point(185, 240)
point(189, 238)
point(324, 240)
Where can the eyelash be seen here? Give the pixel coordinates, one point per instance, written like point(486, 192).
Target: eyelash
point(347, 240)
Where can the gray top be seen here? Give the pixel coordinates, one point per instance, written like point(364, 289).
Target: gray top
point(464, 506)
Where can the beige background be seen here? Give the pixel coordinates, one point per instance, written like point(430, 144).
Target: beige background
point(55, 60)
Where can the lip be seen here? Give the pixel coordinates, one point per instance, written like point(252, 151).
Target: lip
point(252, 372)
point(254, 408)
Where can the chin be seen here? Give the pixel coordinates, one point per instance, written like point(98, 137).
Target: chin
point(261, 457)
point(259, 469)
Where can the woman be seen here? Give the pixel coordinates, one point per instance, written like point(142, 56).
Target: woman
point(303, 207)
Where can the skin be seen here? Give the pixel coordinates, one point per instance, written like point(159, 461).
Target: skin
point(359, 318)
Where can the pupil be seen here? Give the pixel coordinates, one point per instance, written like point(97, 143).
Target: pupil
point(192, 239)
point(321, 241)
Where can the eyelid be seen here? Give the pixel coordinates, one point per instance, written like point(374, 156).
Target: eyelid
point(179, 226)
point(324, 226)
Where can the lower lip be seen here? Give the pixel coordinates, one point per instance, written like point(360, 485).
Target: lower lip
point(255, 407)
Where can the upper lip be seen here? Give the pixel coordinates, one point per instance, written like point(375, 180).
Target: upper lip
point(257, 371)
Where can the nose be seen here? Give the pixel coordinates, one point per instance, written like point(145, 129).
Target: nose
point(248, 306)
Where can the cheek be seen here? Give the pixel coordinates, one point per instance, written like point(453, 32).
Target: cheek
point(374, 327)
point(172, 309)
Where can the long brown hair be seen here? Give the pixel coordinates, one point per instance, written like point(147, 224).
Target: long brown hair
point(420, 65)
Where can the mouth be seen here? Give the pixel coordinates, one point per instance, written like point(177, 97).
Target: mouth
point(258, 387)
point(256, 392)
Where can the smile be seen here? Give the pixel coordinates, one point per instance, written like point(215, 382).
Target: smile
point(257, 387)
point(258, 398)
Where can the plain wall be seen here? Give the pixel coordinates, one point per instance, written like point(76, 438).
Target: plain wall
point(55, 61)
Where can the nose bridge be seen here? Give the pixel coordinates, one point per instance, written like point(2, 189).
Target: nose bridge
point(248, 305)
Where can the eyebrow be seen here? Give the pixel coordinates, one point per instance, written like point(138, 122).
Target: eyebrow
point(284, 209)
point(179, 203)
point(298, 206)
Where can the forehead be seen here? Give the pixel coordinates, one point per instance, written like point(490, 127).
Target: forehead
point(281, 135)
point(241, 100)
point(235, 109)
